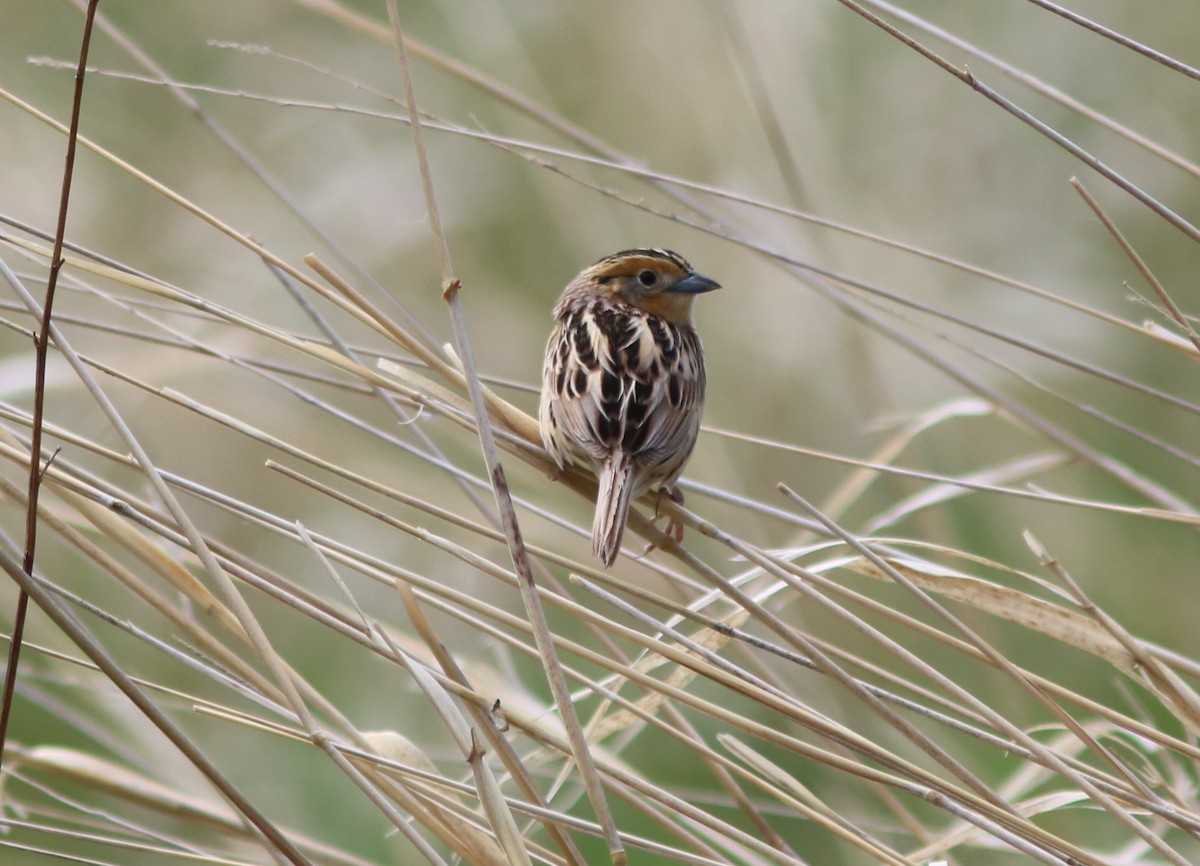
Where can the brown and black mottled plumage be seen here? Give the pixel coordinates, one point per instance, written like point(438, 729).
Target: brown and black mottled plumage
point(623, 382)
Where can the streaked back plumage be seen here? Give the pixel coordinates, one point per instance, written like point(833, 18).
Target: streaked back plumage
point(624, 381)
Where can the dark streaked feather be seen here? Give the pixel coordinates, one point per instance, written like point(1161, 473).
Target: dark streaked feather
point(623, 382)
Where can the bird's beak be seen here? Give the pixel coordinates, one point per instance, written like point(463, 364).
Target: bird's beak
point(695, 284)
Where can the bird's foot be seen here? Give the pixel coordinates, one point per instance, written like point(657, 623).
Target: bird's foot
point(674, 528)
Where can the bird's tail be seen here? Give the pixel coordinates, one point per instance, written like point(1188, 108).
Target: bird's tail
point(612, 507)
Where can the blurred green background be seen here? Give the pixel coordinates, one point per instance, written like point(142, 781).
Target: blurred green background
point(801, 105)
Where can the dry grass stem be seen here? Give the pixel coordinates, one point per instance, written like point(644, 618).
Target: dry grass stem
point(308, 588)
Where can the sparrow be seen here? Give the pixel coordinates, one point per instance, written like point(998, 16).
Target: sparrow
point(623, 382)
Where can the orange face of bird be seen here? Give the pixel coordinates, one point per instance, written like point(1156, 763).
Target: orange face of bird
point(660, 283)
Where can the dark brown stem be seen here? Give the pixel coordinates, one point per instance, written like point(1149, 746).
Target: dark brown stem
point(41, 347)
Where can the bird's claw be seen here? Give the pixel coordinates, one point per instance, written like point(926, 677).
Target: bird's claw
point(674, 528)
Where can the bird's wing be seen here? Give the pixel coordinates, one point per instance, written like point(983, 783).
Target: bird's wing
point(661, 426)
point(617, 379)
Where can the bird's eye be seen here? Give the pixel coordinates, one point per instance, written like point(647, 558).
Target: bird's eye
point(647, 278)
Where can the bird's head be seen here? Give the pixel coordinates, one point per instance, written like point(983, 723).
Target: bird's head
point(659, 282)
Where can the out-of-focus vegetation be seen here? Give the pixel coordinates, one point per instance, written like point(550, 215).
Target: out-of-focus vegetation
point(963, 631)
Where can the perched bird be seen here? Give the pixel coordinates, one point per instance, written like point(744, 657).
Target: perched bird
point(623, 382)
